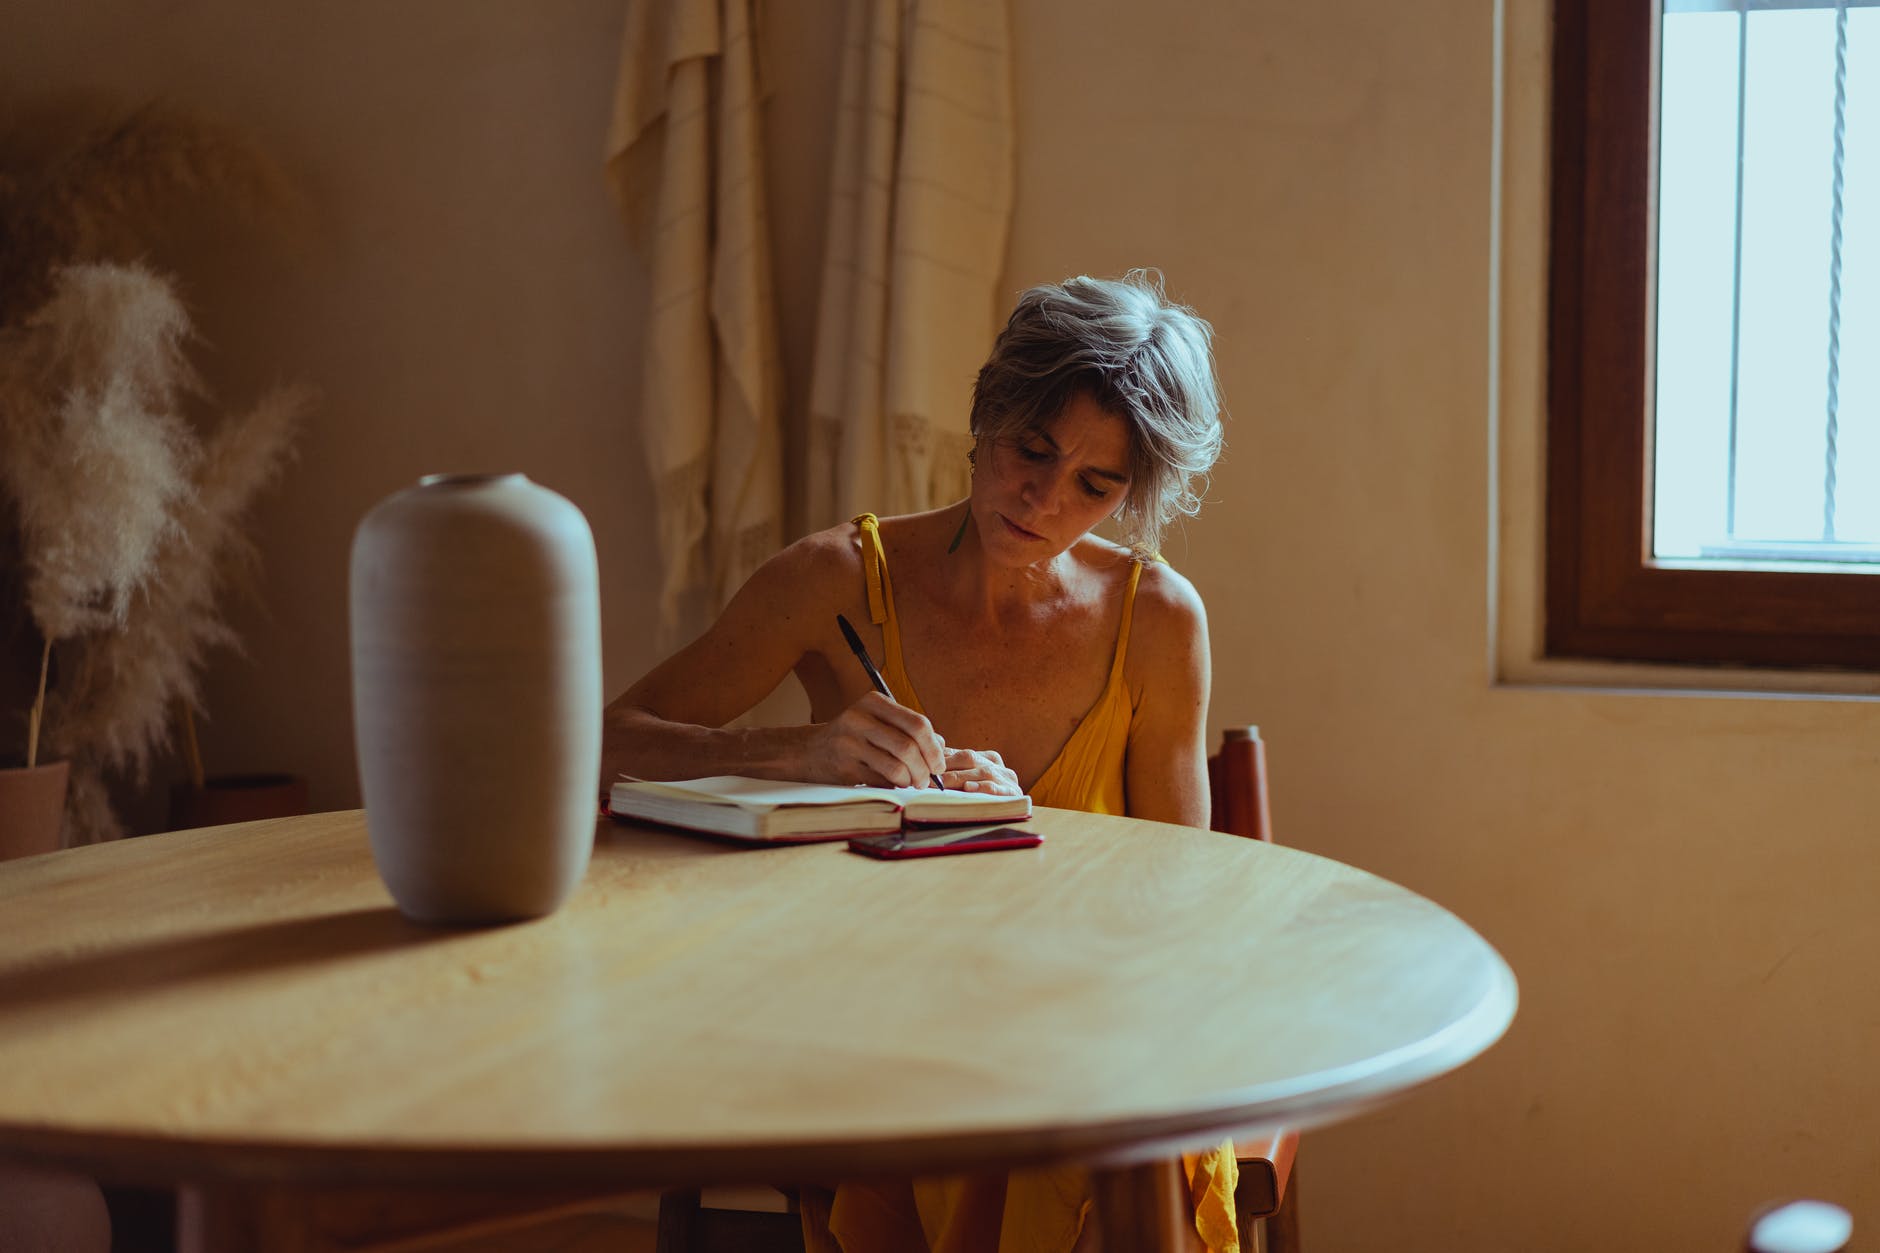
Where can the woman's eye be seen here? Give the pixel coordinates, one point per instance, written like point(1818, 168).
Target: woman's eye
point(1033, 454)
point(1092, 490)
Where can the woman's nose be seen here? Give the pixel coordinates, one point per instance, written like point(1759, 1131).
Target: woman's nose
point(1043, 491)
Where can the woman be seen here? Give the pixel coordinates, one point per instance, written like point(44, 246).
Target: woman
point(1025, 655)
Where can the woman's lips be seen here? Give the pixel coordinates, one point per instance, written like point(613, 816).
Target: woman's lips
point(1018, 530)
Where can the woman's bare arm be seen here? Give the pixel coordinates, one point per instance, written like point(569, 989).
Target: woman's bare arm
point(1166, 777)
point(670, 724)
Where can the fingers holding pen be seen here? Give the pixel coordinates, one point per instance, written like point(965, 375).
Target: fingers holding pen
point(906, 737)
point(877, 741)
point(907, 730)
point(927, 742)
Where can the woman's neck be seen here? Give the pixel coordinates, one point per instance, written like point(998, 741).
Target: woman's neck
point(995, 595)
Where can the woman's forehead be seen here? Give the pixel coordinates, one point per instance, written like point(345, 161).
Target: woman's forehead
point(1090, 431)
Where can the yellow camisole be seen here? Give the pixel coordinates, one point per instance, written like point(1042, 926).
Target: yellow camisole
point(1034, 1211)
point(1088, 773)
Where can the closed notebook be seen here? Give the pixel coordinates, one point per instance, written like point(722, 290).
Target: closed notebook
point(764, 809)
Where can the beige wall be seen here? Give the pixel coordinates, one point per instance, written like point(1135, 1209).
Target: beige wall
point(1685, 885)
point(467, 300)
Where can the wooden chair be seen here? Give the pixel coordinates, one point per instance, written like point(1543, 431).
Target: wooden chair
point(686, 1225)
point(1266, 1202)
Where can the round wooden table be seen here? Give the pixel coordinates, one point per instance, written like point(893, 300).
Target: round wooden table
point(244, 1004)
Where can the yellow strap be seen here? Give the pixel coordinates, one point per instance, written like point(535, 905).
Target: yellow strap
point(1122, 634)
point(881, 611)
point(874, 566)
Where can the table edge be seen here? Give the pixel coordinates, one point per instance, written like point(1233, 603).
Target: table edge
point(1301, 1102)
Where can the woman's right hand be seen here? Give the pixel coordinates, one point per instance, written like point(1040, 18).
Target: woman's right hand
point(877, 742)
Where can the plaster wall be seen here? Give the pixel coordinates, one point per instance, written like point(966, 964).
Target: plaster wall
point(1683, 884)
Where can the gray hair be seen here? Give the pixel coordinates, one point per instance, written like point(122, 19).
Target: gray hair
point(1140, 357)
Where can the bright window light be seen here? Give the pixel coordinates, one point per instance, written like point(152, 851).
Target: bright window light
point(1766, 441)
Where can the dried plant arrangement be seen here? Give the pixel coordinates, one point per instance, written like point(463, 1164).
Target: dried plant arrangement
point(86, 178)
point(121, 492)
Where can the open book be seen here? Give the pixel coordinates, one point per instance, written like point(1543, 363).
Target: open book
point(764, 809)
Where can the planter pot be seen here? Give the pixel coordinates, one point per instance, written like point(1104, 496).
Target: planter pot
point(477, 695)
point(236, 798)
point(32, 802)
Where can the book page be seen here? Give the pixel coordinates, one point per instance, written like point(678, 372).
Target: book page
point(924, 805)
point(766, 793)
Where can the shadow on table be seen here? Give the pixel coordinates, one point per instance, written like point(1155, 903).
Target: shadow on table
point(143, 969)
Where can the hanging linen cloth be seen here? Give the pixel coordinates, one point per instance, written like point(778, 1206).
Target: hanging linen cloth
point(920, 208)
point(710, 397)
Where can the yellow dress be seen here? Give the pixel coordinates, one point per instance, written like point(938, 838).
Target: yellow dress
point(1033, 1211)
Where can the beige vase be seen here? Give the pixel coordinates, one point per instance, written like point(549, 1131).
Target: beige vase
point(32, 801)
point(477, 695)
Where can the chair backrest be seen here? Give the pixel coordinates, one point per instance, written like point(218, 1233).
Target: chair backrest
point(1237, 785)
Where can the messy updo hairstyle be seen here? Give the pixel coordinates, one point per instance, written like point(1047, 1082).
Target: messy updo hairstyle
point(1140, 358)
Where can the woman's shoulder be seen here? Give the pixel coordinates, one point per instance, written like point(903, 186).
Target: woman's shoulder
point(1160, 588)
point(817, 566)
point(832, 552)
point(832, 559)
point(1167, 588)
point(1168, 608)
point(1168, 638)
point(912, 530)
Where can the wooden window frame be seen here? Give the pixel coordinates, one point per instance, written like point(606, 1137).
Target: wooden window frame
point(1606, 597)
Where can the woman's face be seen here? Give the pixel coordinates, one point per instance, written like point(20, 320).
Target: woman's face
point(1036, 494)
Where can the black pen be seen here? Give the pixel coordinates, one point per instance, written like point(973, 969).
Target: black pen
point(874, 675)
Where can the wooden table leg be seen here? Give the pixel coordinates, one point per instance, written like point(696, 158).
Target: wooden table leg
point(1143, 1208)
point(212, 1220)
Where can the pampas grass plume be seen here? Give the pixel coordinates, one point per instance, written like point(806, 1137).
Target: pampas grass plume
point(128, 519)
point(126, 510)
point(95, 475)
point(117, 708)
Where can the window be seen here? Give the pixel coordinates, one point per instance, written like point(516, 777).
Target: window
point(1715, 301)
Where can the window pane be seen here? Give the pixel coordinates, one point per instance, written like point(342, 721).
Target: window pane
point(1858, 508)
point(1760, 474)
point(1782, 379)
point(1763, 604)
point(1696, 277)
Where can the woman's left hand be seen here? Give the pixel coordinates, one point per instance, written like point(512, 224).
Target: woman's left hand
point(970, 770)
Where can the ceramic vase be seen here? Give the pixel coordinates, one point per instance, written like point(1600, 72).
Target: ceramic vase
point(477, 695)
